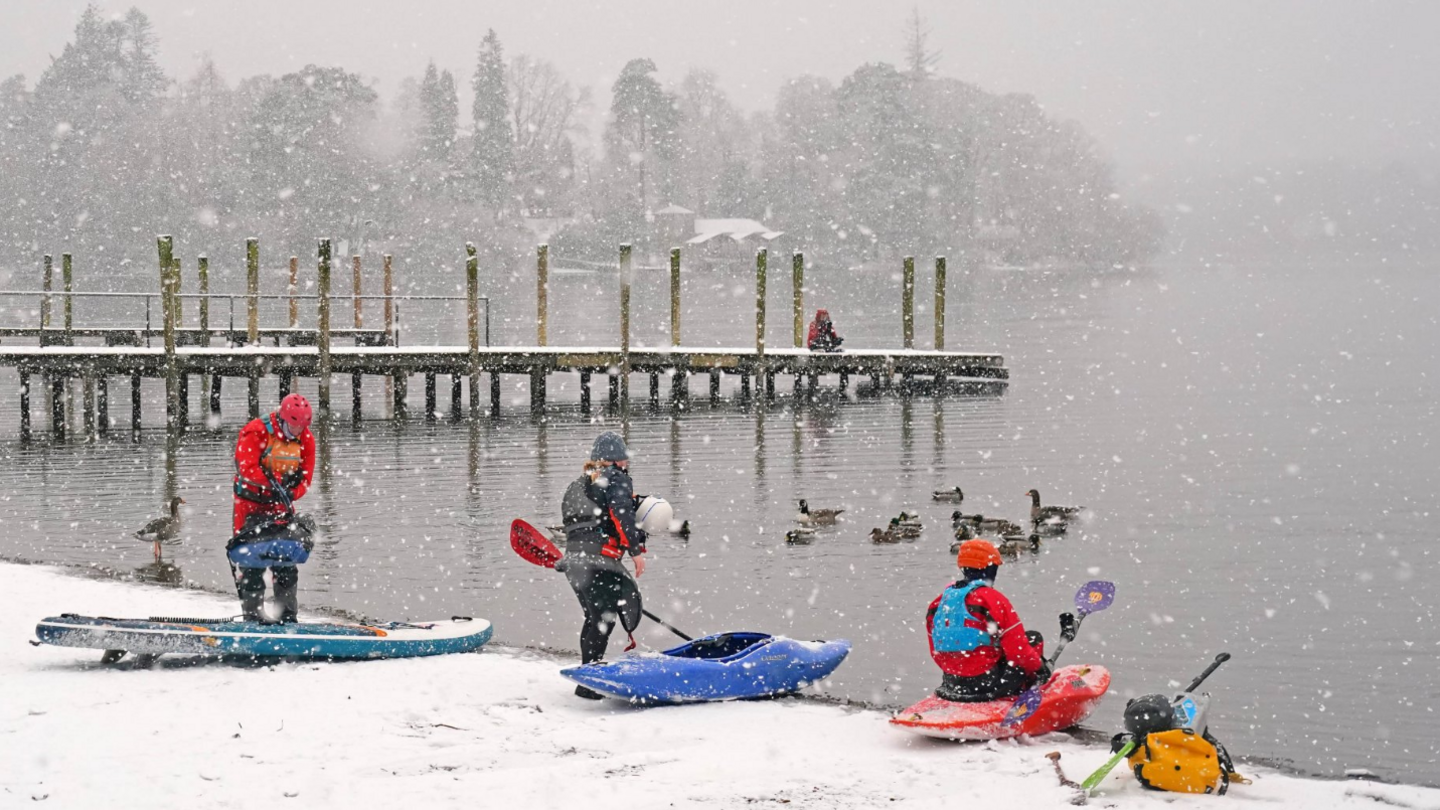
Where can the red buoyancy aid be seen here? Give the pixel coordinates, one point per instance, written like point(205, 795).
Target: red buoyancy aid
point(263, 447)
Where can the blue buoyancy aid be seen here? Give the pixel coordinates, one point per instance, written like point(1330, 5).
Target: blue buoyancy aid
point(948, 632)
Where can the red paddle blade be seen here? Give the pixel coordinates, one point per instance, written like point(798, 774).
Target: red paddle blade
point(533, 546)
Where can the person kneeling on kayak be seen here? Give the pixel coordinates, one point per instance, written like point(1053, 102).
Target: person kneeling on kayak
point(976, 638)
point(599, 514)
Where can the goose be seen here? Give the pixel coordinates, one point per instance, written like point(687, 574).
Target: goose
point(994, 526)
point(885, 536)
point(908, 530)
point(817, 517)
point(948, 495)
point(1050, 515)
point(162, 529)
point(800, 537)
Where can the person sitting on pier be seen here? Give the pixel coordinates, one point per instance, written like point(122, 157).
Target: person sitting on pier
point(822, 333)
point(273, 451)
point(976, 639)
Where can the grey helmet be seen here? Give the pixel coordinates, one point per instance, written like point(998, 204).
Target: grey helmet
point(609, 447)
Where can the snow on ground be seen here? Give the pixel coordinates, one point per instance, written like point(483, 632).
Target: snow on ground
point(495, 729)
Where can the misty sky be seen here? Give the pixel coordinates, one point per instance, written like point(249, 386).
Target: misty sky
point(1159, 83)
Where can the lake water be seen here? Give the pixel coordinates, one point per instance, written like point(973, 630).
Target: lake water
point(1256, 445)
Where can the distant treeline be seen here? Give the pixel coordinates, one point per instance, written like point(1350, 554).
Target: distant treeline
point(105, 150)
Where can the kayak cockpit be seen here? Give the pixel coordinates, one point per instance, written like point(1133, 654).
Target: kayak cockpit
point(721, 647)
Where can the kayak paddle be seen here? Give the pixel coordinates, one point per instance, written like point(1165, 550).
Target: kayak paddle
point(1092, 597)
point(536, 549)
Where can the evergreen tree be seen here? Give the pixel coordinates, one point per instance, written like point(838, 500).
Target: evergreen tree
point(920, 61)
point(492, 155)
point(440, 110)
point(641, 135)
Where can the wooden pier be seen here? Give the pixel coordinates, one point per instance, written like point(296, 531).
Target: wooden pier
point(213, 354)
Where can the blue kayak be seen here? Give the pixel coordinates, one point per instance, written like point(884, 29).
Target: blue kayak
point(726, 666)
point(159, 636)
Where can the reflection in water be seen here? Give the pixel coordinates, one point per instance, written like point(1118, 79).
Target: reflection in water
point(160, 572)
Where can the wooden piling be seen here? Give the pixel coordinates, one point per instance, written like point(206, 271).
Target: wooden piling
point(67, 281)
point(57, 406)
point(585, 391)
point(797, 285)
point(939, 303)
point(457, 396)
point(907, 302)
point(286, 381)
point(293, 290)
point(542, 294)
point(215, 395)
point(252, 394)
point(654, 389)
point(359, 314)
point(614, 393)
point(401, 381)
point(102, 403)
point(537, 390)
point(182, 400)
point(389, 299)
point(494, 395)
point(203, 268)
point(47, 283)
point(252, 291)
point(168, 284)
point(322, 329)
point(472, 323)
point(714, 386)
point(24, 404)
point(135, 401)
point(356, 409)
point(760, 260)
point(430, 403)
point(625, 280)
point(675, 296)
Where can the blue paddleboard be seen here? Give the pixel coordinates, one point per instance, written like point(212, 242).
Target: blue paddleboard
point(726, 666)
point(160, 636)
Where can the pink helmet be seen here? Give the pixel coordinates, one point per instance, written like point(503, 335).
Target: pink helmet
point(295, 410)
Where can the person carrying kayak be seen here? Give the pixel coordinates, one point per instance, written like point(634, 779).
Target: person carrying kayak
point(272, 451)
point(976, 638)
point(822, 333)
point(599, 515)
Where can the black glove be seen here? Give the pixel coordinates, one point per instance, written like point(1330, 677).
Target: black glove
point(1042, 675)
point(292, 481)
point(1068, 626)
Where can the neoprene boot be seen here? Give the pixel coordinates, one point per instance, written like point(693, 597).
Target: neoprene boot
point(250, 584)
point(287, 596)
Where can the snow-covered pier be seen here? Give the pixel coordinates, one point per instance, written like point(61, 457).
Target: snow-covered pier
point(216, 353)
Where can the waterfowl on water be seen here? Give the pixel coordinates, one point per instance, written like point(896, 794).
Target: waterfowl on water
point(799, 537)
point(1015, 543)
point(948, 495)
point(1049, 515)
point(963, 532)
point(817, 517)
point(906, 529)
point(885, 536)
point(684, 530)
point(982, 525)
point(162, 529)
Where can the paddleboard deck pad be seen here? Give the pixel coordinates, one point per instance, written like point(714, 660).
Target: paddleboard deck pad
point(725, 666)
point(330, 640)
point(1067, 699)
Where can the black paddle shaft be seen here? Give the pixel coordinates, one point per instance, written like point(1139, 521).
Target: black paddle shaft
point(652, 617)
point(1219, 659)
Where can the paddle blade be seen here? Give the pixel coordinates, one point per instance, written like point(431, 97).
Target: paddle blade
point(1023, 707)
point(1093, 780)
point(1095, 596)
point(532, 546)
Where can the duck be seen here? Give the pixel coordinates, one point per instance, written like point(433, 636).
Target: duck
point(885, 536)
point(1014, 544)
point(817, 517)
point(907, 529)
point(948, 495)
point(684, 530)
point(162, 529)
point(800, 537)
point(994, 526)
point(1049, 515)
point(963, 532)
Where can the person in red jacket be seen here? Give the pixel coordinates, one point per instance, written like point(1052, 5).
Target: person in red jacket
point(822, 336)
point(976, 638)
point(277, 450)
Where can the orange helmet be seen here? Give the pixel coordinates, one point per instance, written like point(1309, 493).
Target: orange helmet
point(978, 554)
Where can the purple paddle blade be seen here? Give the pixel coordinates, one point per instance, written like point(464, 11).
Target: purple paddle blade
point(1094, 596)
point(1024, 706)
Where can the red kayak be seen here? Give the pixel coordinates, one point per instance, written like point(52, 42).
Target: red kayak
point(1067, 699)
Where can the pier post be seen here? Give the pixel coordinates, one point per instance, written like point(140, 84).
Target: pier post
point(252, 291)
point(168, 284)
point(714, 386)
point(359, 311)
point(182, 399)
point(456, 396)
point(939, 303)
point(202, 268)
point(57, 406)
point(654, 389)
point(24, 404)
point(322, 328)
point(769, 386)
point(744, 385)
point(614, 394)
point(430, 396)
point(760, 259)
point(537, 390)
point(542, 294)
point(356, 409)
point(215, 395)
point(293, 290)
point(389, 293)
point(252, 393)
point(625, 280)
point(67, 280)
point(675, 297)
point(472, 326)
point(47, 283)
point(286, 380)
point(102, 403)
point(135, 401)
point(402, 390)
point(585, 391)
point(907, 302)
point(359, 324)
point(494, 396)
point(797, 283)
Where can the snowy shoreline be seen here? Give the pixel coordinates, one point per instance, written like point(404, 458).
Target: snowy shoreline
point(494, 729)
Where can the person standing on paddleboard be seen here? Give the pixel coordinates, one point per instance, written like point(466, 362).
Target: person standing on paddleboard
point(976, 638)
point(274, 450)
point(599, 514)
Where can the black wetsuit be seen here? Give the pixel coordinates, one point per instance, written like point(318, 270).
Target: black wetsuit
point(599, 530)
